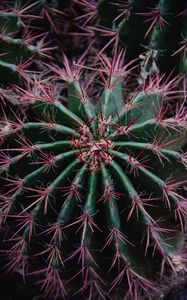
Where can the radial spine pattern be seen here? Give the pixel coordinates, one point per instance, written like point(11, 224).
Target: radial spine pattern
point(90, 188)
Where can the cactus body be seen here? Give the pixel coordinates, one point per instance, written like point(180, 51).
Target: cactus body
point(91, 158)
point(90, 180)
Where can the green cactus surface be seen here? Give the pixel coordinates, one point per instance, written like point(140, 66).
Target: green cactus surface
point(32, 32)
point(28, 36)
point(155, 29)
point(91, 171)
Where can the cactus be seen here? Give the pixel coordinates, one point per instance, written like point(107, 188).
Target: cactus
point(156, 27)
point(34, 29)
point(91, 172)
point(28, 34)
point(31, 31)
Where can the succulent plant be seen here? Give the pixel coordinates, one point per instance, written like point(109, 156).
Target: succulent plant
point(28, 34)
point(155, 29)
point(91, 169)
point(34, 29)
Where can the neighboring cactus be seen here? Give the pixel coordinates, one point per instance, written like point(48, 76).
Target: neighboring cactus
point(91, 188)
point(30, 31)
point(28, 34)
point(151, 26)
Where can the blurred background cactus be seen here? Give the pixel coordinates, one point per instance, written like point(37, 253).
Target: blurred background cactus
point(29, 33)
point(155, 29)
point(93, 130)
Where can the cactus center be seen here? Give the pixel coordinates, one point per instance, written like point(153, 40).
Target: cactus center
point(94, 143)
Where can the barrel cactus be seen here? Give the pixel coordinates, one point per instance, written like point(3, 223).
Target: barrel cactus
point(91, 170)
